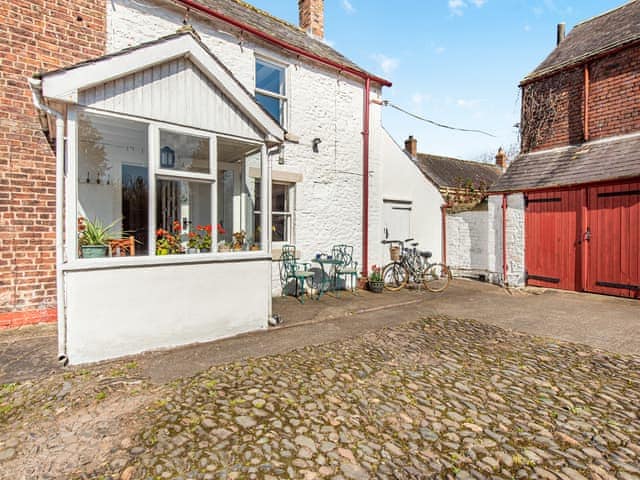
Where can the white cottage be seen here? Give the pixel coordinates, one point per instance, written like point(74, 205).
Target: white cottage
point(207, 116)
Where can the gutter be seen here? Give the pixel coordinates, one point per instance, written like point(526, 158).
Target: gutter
point(38, 101)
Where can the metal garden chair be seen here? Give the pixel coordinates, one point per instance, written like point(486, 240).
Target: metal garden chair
point(348, 267)
point(290, 269)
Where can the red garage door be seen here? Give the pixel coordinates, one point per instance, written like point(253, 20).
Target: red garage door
point(585, 239)
point(614, 245)
point(552, 231)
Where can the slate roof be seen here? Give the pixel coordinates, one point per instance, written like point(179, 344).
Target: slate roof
point(610, 30)
point(278, 28)
point(599, 160)
point(448, 172)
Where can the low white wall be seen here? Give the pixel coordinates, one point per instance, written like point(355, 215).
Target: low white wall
point(515, 239)
point(468, 242)
point(113, 312)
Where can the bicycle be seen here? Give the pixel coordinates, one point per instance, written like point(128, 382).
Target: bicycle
point(413, 265)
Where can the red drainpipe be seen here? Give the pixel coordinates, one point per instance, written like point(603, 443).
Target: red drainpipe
point(341, 68)
point(443, 209)
point(504, 239)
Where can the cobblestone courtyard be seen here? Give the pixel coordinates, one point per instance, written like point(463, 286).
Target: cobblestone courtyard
point(436, 397)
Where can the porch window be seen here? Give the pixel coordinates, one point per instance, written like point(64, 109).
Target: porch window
point(270, 88)
point(163, 190)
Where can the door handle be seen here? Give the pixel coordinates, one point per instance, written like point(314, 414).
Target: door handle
point(587, 235)
point(386, 233)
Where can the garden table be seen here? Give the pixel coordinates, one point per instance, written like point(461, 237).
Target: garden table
point(328, 278)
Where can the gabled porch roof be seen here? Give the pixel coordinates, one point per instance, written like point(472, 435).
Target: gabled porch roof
point(64, 85)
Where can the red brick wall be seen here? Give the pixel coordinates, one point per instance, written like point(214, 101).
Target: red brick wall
point(37, 35)
point(614, 102)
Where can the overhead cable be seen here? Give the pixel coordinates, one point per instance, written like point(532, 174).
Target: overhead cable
point(387, 103)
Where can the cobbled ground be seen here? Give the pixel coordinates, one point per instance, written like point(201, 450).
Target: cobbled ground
point(434, 398)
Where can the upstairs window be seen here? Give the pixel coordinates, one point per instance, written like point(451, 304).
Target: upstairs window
point(270, 89)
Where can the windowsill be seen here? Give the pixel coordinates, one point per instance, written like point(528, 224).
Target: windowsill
point(163, 260)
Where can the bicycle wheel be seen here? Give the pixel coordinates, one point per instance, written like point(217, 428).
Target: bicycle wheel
point(437, 277)
point(395, 276)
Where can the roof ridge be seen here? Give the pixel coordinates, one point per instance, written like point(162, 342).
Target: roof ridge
point(607, 12)
point(475, 162)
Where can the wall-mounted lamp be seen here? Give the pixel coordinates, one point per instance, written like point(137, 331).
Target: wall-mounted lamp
point(315, 143)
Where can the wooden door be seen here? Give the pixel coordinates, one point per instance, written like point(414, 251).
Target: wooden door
point(552, 239)
point(614, 245)
point(397, 220)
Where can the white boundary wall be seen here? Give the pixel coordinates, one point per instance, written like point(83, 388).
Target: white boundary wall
point(515, 239)
point(468, 242)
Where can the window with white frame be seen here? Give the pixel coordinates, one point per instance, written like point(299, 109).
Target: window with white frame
point(282, 201)
point(271, 89)
point(156, 186)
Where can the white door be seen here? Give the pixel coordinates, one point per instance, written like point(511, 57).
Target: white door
point(397, 220)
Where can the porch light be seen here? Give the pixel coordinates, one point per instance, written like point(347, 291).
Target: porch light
point(167, 157)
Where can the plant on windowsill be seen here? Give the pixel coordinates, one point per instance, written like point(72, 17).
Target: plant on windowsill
point(239, 239)
point(375, 282)
point(94, 237)
point(224, 246)
point(169, 242)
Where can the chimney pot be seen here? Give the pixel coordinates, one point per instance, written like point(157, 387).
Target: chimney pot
point(311, 15)
point(411, 146)
point(501, 159)
point(561, 33)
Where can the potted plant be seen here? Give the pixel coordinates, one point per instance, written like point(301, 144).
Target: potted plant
point(169, 242)
point(238, 240)
point(375, 282)
point(224, 246)
point(94, 237)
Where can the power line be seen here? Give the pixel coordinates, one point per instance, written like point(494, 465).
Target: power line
point(387, 103)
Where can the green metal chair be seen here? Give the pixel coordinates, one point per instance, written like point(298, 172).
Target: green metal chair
point(290, 269)
point(348, 267)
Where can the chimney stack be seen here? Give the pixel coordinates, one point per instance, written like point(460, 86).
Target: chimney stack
point(311, 14)
point(411, 146)
point(501, 159)
point(561, 33)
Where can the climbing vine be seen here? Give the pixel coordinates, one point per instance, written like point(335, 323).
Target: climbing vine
point(540, 108)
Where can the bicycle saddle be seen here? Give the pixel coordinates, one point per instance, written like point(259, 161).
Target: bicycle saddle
point(426, 254)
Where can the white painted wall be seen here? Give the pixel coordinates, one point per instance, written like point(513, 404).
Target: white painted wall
point(468, 242)
point(402, 180)
point(515, 239)
point(113, 312)
point(321, 104)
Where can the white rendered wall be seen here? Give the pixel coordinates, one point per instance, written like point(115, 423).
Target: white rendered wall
point(113, 312)
point(514, 240)
point(402, 180)
point(467, 242)
point(321, 104)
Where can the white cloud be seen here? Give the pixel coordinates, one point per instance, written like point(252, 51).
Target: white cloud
point(348, 7)
point(419, 98)
point(463, 103)
point(527, 28)
point(457, 6)
point(440, 50)
point(386, 64)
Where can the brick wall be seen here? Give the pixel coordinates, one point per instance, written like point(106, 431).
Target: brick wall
point(614, 102)
point(37, 35)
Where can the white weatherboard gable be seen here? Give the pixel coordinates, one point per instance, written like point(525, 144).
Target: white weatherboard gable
point(66, 85)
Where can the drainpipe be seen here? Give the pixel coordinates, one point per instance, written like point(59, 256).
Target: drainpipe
point(585, 116)
point(38, 101)
point(504, 240)
point(365, 177)
point(443, 209)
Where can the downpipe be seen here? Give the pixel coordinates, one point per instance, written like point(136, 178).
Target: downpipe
point(38, 101)
point(505, 281)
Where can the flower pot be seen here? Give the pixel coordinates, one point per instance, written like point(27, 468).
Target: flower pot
point(192, 250)
point(94, 251)
point(362, 283)
point(224, 249)
point(254, 248)
point(376, 286)
point(204, 250)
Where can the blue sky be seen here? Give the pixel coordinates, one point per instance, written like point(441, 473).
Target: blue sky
point(453, 61)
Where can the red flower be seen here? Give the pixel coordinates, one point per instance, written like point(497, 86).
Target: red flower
point(176, 226)
point(193, 234)
point(208, 229)
point(160, 232)
point(221, 230)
